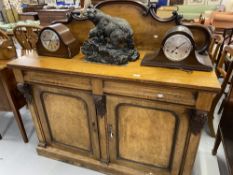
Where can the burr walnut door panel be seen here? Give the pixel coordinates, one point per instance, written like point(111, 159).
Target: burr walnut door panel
point(145, 135)
point(68, 119)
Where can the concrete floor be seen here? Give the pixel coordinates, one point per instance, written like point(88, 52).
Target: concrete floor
point(17, 158)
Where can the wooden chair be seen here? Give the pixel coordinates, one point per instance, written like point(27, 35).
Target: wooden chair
point(214, 49)
point(225, 69)
point(225, 130)
point(7, 47)
point(10, 98)
point(27, 37)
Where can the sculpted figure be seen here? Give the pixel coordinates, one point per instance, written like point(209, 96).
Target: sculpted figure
point(110, 41)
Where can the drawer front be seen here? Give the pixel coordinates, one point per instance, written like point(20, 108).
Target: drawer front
point(173, 95)
point(70, 81)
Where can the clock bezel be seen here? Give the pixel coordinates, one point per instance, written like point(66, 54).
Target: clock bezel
point(176, 31)
point(50, 29)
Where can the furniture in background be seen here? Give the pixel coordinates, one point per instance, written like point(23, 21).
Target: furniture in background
point(8, 27)
point(33, 8)
point(47, 16)
point(7, 48)
point(227, 36)
point(225, 130)
point(166, 11)
point(27, 37)
point(191, 12)
point(118, 119)
point(220, 20)
point(1, 17)
point(225, 70)
point(176, 2)
point(11, 99)
point(10, 12)
point(28, 16)
point(214, 49)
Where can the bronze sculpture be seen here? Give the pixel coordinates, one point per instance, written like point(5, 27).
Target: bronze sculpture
point(110, 41)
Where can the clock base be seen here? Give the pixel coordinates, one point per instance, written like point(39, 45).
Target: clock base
point(195, 61)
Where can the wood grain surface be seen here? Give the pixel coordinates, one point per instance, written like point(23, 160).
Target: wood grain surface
point(133, 71)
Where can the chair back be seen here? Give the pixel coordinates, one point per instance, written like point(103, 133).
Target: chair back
point(27, 36)
point(7, 48)
point(214, 49)
point(225, 68)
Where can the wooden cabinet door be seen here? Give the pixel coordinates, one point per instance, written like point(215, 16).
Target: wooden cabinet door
point(145, 135)
point(68, 119)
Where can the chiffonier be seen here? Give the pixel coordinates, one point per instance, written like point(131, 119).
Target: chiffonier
point(128, 119)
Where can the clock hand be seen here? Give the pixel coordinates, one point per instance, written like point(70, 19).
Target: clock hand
point(177, 47)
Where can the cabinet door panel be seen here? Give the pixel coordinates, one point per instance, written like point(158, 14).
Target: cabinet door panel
point(65, 116)
point(136, 135)
point(68, 119)
point(145, 135)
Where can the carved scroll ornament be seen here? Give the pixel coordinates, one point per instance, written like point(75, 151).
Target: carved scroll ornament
point(198, 119)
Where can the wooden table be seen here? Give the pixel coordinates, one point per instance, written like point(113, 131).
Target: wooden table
point(11, 99)
point(129, 120)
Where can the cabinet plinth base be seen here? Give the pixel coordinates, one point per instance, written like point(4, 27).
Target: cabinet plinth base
point(81, 161)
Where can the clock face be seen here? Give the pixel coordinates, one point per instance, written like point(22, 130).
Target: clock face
point(50, 40)
point(177, 47)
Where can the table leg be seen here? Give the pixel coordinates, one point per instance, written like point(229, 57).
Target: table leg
point(19, 121)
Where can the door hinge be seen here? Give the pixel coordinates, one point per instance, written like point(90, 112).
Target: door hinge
point(26, 90)
point(100, 104)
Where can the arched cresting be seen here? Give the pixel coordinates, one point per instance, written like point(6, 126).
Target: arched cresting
point(149, 29)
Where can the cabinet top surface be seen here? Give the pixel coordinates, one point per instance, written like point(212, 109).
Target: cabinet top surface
point(133, 71)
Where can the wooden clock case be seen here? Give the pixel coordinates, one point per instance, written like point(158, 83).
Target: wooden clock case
point(69, 46)
point(195, 60)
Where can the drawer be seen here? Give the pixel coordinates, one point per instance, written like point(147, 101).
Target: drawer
point(57, 79)
point(166, 94)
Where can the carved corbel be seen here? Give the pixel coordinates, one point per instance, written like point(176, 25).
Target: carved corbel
point(198, 119)
point(100, 104)
point(25, 89)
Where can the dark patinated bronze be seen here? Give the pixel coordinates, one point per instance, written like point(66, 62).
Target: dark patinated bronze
point(110, 41)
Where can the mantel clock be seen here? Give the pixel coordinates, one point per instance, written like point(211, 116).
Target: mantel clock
point(178, 50)
point(57, 41)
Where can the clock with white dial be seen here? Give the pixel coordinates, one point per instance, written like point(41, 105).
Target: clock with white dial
point(177, 47)
point(50, 40)
point(178, 44)
point(57, 40)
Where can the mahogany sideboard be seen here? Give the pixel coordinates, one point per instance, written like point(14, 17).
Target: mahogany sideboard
point(127, 120)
